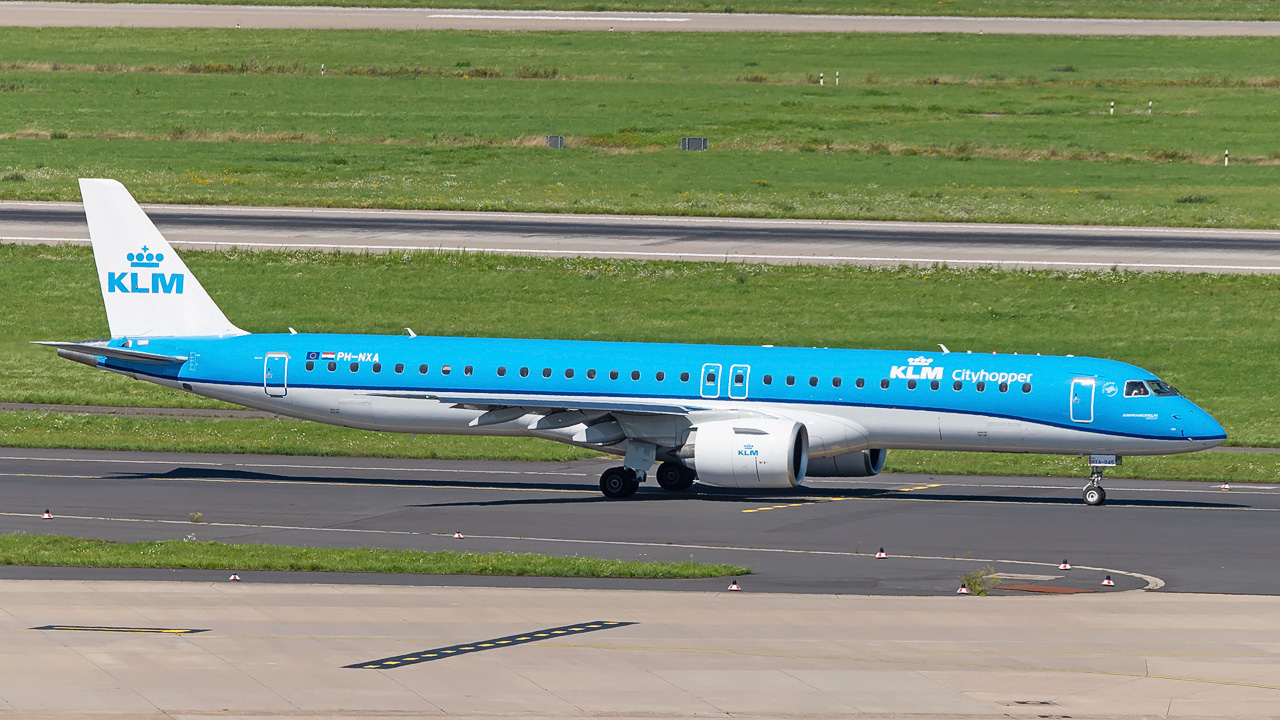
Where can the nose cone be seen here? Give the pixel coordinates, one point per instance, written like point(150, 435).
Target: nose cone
point(1201, 430)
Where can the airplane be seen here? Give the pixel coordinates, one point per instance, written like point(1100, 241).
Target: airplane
point(752, 417)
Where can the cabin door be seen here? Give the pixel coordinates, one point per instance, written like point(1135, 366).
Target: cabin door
point(739, 375)
point(275, 374)
point(1082, 399)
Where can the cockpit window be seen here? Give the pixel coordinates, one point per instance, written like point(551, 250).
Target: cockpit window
point(1136, 388)
point(1161, 387)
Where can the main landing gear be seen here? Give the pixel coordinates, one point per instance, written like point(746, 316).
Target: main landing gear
point(620, 482)
point(1093, 492)
point(674, 476)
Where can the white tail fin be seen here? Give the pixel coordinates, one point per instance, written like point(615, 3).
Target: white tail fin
point(148, 290)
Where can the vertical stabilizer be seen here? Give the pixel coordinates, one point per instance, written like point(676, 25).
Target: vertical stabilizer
point(148, 290)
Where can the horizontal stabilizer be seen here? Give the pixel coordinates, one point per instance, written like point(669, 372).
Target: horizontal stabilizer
point(536, 401)
point(117, 353)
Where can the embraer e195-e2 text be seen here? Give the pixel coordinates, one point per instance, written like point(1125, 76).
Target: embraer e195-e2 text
point(723, 415)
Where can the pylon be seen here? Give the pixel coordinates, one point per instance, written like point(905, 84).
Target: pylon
point(234, 578)
point(734, 585)
point(47, 515)
point(1065, 565)
point(1107, 582)
point(881, 554)
point(964, 590)
point(457, 536)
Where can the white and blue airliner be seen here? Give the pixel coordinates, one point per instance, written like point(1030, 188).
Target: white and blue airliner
point(751, 417)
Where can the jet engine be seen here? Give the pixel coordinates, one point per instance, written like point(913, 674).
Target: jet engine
point(863, 463)
point(748, 453)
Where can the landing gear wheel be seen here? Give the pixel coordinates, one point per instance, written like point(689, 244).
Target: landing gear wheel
point(619, 482)
point(674, 476)
point(1094, 495)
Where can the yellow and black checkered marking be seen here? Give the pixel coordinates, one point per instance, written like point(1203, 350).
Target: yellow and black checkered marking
point(103, 628)
point(508, 641)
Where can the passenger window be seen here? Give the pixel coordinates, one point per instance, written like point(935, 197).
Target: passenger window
point(660, 376)
point(635, 374)
point(334, 366)
point(355, 367)
point(524, 372)
point(466, 370)
point(568, 372)
point(613, 374)
point(980, 386)
point(859, 383)
point(684, 377)
point(813, 382)
point(768, 379)
point(933, 385)
point(1026, 387)
point(884, 384)
point(445, 369)
point(835, 382)
point(546, 372)
point(311, 365)
point(791, 380)
point(502, 372)
point(957, 386)
point(422, 369)
point(591, 374)
point(399, 368)
point(377, 367)
point(911, 384)
point(1136, 388)
point(1004, 387)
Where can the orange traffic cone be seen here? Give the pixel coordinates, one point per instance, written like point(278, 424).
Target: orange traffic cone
point(457, 536)
point(234, 578)
point(1065, 565)
point(1107, 582)
point(881, 554)
point(964, 590)
point(47, 515)
point(734, 585)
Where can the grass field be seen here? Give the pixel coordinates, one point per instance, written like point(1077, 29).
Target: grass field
point(997, 128)
point(58, 550)
point(1215, 337)
point(1189, 9)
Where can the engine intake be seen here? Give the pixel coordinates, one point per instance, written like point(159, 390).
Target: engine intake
point(749, 453)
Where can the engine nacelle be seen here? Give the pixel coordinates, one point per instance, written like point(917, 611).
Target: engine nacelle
point(748, 453)
point(863, 463)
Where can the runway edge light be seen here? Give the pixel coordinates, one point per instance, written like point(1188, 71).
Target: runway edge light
point(964, 590)
point(734, 585)
point(47, 515)
point(1065, 565)
point(234, 577)
point(457, 536)
point(1108, 582)
point(881, 554)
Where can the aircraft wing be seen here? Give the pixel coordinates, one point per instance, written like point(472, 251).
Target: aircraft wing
point(115, 352)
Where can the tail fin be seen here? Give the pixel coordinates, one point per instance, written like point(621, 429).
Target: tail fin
point(148, 290)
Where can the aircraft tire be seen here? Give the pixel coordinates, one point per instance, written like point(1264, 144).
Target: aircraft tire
point(674, 476)
point(618, 482)
point(1094, 495)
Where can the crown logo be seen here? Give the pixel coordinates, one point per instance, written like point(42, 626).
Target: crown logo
point(145, 259)
point(922, 360)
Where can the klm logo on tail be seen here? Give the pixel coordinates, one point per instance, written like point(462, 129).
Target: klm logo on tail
point(158, 282)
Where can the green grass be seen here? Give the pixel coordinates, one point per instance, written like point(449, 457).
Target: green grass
point(57, 550)
point(1183, 9)
point(1215, 337)
point(939, 127)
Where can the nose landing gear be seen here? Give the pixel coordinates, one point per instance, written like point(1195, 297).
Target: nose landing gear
point(1093, 493)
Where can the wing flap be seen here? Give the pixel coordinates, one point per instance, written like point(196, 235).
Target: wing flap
point(545, 403)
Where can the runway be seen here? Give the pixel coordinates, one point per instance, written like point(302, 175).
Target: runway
point(70, 14)
point(1180, 537)
point(677, 238)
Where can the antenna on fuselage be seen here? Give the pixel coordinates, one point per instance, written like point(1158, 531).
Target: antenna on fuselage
point(411, 332)
point(945, 351)
point(292, 331)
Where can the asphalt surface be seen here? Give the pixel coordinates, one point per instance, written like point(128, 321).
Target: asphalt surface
point(1187, 537)
point(65, 14)
point(676, 238)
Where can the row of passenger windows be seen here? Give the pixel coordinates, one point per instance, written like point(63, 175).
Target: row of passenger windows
point(660, 376)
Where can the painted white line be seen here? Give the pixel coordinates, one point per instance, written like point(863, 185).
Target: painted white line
point(719, 257)
point(1152, 582)
point(362, 468)
point(565, 18)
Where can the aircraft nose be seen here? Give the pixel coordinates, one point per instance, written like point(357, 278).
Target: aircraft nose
point(1202, 429)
